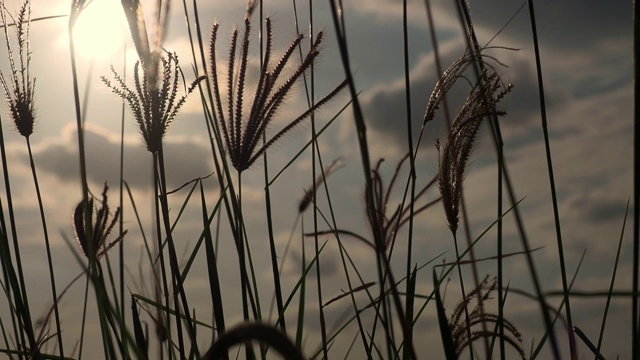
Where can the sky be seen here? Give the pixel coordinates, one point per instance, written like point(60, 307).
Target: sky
point(585, 49)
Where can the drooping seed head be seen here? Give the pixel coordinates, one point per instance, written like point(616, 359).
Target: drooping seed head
point(95, 245)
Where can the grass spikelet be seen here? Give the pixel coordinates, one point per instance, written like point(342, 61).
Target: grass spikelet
point(19, 85)
point(455, 153)
point(243, 132)
point(101, 228)
point(391, 223)
point(154, 104)
point(477, 317)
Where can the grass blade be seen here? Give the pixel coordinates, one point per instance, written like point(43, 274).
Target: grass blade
point(443, 323)
point(613, 279)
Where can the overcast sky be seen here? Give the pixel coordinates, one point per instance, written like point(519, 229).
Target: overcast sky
point(586, 58)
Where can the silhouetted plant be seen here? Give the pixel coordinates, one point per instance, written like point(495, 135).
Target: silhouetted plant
point(389, 223)
point(101, 228)
point(19, 85)
point(477, 317)
point(243, 132)
point(454, 154)
point(153, 100)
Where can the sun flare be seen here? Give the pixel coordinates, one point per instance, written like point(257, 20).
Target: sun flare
point(99, 31)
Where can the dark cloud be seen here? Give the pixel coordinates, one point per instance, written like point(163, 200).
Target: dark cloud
point(563, 25)
point(385, 105)
point(185, 160)
point(566, 25)
point(596, 210)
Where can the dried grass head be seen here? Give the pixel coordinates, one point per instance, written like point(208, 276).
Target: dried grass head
point(244, 124)
point(19, 84)
point(101, 228)
point(477, 317)
point(455, 153)
point(389, 222)
point(154, 99)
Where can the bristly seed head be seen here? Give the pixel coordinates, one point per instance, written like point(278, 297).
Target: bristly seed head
point(242, 132)
point(459, 326)
point(19, 86)
point(96, 246)
point(22, 113)
point(455, 153)
point(153, 101)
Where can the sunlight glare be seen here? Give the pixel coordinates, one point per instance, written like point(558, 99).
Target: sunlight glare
point(100, 29)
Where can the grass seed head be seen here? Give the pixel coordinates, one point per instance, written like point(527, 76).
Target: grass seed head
point(19, 85)
point(100, 229)
point(154, 99)
point(242, 130)
point(458, 324)
point(455, 153)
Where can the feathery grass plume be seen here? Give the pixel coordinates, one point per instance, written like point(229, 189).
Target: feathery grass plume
point(450, 76)
point(154, 103)
point(243, 132)
point(19, 85)
point(101, 228)
point(477, 317)
point(454, 154)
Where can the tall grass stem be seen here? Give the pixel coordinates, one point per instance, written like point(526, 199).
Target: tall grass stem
point(552, 183)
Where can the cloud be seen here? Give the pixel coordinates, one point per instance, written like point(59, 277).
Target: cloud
point(591, 22)
point(565, 26)
point(186, 159)
point(385, 104)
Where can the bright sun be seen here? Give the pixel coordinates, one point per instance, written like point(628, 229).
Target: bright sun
point(99, 31)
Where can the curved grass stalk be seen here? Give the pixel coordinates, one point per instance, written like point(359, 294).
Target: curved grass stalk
point(479, 66)
point(19, 88)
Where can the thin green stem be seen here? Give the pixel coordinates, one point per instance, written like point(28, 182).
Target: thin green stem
point(303, 287)
point(45, 233)
point(635, 330)
point(179, 292)
point(19, 284)
point(613, 280)
point(267, 196)
point(121, 221)
point(552, 184)
point(409, 299)
point(160, 250)
point(94, 268)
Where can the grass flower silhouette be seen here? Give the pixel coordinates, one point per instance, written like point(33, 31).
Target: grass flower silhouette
point(19, 85)
point(477, 317)
point(101, 229)
point(154, 99)
point(243, 125)
point(455, 153)
point(391, 218)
